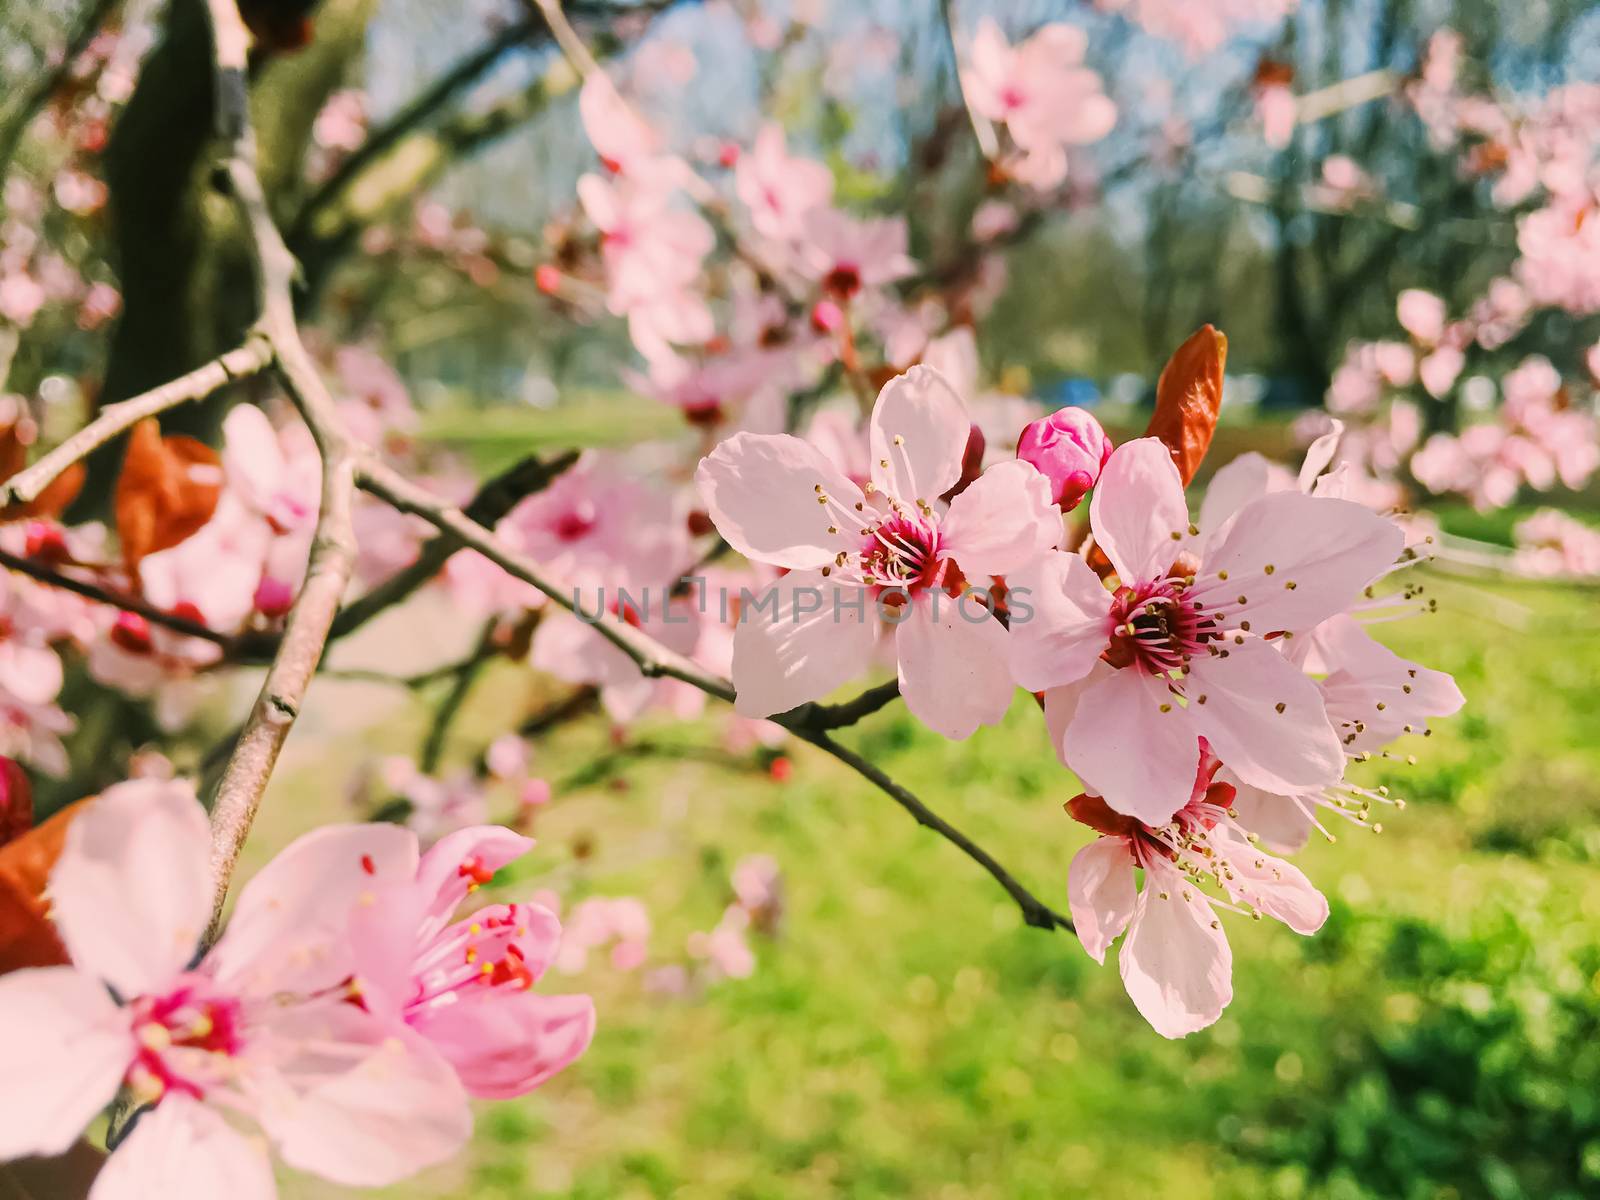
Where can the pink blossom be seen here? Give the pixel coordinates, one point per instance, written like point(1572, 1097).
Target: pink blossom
point(1552, 543)
point(466, 987)
point(1043, 94)
point(620, 921)
point(780, 188)
point(374, 401)
point(1421, 314)
point(260, 1027)
point(1175, 960)
point(847, 256)
point(1068, 448)
point(1373, 696)
point(1180, 650)
point(777, 500)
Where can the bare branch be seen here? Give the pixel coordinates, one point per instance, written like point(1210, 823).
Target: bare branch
point(333, 547)
point(253, 357)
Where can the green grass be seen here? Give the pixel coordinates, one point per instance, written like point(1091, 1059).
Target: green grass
point(905, 1035)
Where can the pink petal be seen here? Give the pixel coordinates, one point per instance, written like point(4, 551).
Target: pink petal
point(1283, 824)
point(32, 674)
point(1288, 751)
point(185, 1149)
point(1176, 963)
point(64, 1047)
point(504, 1045)
point(130, 893)
point(1059, 613)
point(1003, 521)
point(923, 412)
point(289, 929)
point(1100, 893)
point(1237, 483)
point(1138, 505)
point(953, 671)
point(1125, 749)
point(1278, 888)
point(804, 637)
point(1328, 549)
point(451, 870)
point(395, 1110)
point(1318, 455)
point(761, 492)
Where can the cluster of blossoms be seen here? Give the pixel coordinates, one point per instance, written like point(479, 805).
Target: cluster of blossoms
point(1539, 431)
point(1204, 659)
point(1529, 423)
point(344, 1012)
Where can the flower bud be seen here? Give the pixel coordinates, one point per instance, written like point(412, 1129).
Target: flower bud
point(1068, 448)
point(16, 801)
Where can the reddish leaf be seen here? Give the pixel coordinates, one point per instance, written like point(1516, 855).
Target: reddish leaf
point(27, 939)
point(1188, 398)
point(167, 491)
point(60, 492)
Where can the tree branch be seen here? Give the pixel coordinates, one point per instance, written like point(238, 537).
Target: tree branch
point(656, 661)
point(333, 547)
point(253, 357)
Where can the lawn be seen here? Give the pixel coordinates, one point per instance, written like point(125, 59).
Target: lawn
point(905, 1035)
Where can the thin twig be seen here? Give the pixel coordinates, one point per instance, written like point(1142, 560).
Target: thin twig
point(493, 501)
point(820, 718)
point(253, 357)
point(1034, 911)
point(466, 674)
point(51, 577)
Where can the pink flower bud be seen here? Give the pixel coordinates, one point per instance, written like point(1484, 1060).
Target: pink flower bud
point(1068, 448)
point(16, 801)
point(273, 597)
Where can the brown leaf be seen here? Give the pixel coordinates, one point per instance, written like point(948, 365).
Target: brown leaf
point(1188, 398)
point(27, 939)
point(167, 491)
point(51, 502)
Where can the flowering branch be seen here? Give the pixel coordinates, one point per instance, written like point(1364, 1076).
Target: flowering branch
point(810, 723)
point(49, 576)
